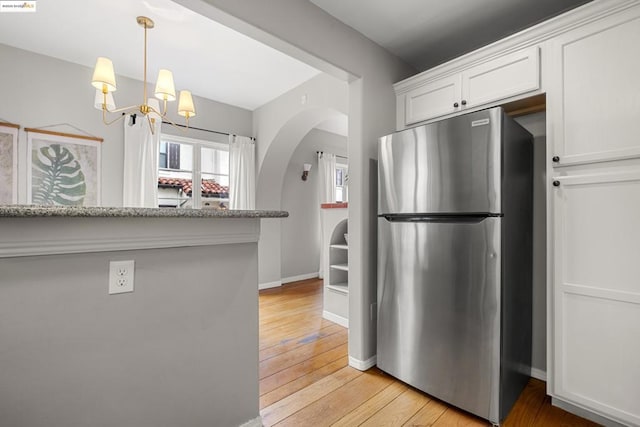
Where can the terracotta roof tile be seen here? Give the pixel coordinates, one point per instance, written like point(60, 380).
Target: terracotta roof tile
point(209, 187)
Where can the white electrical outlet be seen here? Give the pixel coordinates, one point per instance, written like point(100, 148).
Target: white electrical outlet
point(121, 276)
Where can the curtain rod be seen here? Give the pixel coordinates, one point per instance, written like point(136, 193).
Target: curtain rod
point(342, 157)
point(204, 130)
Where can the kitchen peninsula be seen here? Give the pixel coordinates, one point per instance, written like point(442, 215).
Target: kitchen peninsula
point(182, 346)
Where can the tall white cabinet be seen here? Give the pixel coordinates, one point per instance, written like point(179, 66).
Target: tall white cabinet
point(594, 99)
point(587, 63)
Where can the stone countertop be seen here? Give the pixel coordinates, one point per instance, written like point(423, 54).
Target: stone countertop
point(28, 211)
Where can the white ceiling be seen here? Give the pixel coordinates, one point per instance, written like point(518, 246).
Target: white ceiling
point(211, 60)
point(426, 33)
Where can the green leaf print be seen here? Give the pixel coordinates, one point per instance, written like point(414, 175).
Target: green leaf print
point(57, 177)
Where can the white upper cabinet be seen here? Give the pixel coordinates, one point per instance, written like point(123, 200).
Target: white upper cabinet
point(502, 77)
point(594, 92)
point(435, 99)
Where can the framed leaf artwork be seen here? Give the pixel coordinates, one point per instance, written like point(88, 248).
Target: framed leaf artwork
point(63, 169)
point(8, 163)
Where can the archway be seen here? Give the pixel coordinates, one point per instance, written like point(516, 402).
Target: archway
point(270, 182)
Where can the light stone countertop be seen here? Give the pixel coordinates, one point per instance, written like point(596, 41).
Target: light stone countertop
point(26, 211)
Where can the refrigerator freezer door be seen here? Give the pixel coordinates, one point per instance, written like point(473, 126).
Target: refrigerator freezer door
point(444, 167)
point(439, 308)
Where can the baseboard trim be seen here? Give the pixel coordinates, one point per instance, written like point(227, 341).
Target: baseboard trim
point(585, 413)
point(539, 374)
point(362, 365)
point(336, 319)
point(269, 285)
point(300, 277)
point(256, 422)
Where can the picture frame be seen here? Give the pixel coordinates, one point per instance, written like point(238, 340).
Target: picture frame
point(63, 169)
point(8, 163)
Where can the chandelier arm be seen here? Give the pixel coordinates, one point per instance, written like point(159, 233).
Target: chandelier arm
point(167, 120)
point(123, 109)
point(150, 121)
point(104, 118)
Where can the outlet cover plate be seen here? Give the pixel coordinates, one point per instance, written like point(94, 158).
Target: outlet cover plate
point(121, 276)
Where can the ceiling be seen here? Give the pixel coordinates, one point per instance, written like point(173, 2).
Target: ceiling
point(426, 33)
point(210, 59)
point(218, 63)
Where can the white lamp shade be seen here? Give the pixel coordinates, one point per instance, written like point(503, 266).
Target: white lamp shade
point(111, 105)
point(307, 167)
point(103, 75)
point(165, 88)
point(185, 104)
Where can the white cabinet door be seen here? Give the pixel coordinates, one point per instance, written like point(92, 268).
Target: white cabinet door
point(503, 77)
point(432, 100)
point(594, 96)
point(596, 293)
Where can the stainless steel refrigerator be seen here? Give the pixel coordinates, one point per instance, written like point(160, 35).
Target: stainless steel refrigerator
point(455, 260)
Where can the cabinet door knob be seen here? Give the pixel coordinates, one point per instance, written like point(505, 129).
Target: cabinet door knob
point(464, 102)
point(556, 183)
point(455, 105)
point(555, 159)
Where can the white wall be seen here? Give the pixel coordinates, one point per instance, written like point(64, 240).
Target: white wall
point(536, 124)
point(39, 91)
point(301, 238)
point(306, 32)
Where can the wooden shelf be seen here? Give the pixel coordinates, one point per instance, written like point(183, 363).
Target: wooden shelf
point(345, 247)
point(533, 104)
point(343, 267)
point(340, 287)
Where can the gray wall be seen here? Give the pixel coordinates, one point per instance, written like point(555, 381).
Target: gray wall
point(39, 91)
point(181, 350)
point(280, 125)
point(301, 238)
point(536, 124)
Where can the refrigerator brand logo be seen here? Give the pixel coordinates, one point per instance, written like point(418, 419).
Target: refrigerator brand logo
point(479, 122)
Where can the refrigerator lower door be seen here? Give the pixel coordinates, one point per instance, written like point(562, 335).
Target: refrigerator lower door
point(439, 308)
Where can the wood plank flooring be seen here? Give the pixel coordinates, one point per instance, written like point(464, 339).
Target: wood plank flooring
point(305, 379)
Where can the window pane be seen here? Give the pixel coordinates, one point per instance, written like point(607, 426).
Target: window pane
point(215, 177)
point(175, 175)
point(162, 158)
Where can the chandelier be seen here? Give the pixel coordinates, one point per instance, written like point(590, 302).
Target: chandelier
point(104, 81)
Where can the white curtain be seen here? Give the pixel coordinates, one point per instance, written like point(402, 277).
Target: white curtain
point(327, 191)
point(140, 187)
point(327, 177)
point(242, 173)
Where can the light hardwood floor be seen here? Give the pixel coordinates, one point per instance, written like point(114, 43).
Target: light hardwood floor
point(305, 379)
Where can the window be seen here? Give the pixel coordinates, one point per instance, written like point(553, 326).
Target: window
point(342, 178)
point(169, 155)
point(183, 161)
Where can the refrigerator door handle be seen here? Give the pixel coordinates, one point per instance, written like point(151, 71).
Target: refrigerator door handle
point(440, 218)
